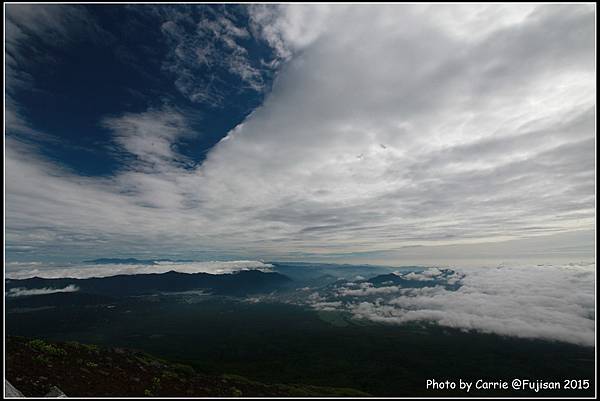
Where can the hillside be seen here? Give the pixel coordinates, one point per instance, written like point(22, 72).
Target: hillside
point(34, 366)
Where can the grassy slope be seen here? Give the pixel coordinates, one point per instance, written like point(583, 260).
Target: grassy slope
point(34, 366)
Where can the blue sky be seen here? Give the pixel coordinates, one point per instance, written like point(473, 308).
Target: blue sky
point(114, 59)
point(384, 134)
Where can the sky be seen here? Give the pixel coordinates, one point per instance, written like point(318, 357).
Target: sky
point(385, 134)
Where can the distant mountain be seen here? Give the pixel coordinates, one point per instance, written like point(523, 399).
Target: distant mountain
point(406, 281)
point(311, 273)
point(387, 279)
point(238, 284)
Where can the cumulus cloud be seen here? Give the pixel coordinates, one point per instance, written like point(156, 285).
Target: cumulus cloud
point(26, 270)
point(551, 302)
point(22, 292)
point(387, 127)
point(367, 289)
point(327, 306)
point(425, 275)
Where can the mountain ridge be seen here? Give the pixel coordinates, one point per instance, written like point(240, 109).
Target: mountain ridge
point(238, 283)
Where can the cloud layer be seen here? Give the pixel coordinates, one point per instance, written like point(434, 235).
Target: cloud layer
point(22, 292)
point(18, 270)
point(387, 126)
point(551, 302)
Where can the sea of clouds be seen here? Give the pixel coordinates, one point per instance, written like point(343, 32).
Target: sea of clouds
point(19, 270)
point(551, 302)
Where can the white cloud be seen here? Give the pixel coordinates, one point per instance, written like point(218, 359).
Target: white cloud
point(290, 28)
point(22, 292)
point(485, 139)
point(367, 289)
point(327, 306)
point(150, 135)
point(388, 126)
point(24, 270)
point(425, 275)
point(551, 302)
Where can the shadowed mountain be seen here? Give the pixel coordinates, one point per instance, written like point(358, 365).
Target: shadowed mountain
point(238, 284)
point(324, 273)
point(406, 281)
